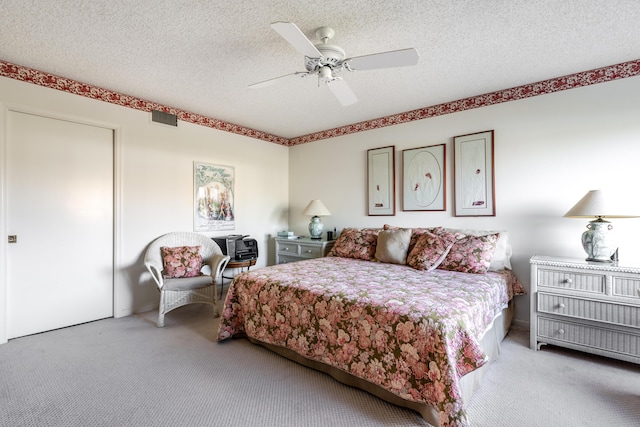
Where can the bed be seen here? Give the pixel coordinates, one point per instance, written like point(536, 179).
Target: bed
point(416, 337)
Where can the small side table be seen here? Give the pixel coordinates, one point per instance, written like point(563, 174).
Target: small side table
point(235, 264)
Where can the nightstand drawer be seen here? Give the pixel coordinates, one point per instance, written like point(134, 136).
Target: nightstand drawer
point(288, 248)
point(301, 248)
point(626, 287)
point(579, 308)
point(602, 339)
point(308, 251)
point(283, 259)
point(575, 281)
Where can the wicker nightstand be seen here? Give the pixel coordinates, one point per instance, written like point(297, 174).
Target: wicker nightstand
point(588, 306)
point(288, 250)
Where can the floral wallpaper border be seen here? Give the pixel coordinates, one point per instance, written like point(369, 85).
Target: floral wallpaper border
point(51, 81)
point(586, 78)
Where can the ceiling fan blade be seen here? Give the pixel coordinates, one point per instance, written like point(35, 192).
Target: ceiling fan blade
point(342, 91)
point(275, 80)
point(394, 58)
point(296, 38)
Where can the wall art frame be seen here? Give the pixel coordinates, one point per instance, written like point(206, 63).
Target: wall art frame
point(474, 175)
point(424, 172)
point(381, 181)
point(213, 197)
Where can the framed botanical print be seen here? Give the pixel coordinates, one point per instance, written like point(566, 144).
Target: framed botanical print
point(423, 179)
point(474, 184)
point(381, 181)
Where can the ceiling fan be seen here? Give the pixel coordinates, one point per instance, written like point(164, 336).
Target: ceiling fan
point(327, 61)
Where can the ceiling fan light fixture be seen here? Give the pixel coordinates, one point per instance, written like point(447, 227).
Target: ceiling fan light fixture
point(325, 74)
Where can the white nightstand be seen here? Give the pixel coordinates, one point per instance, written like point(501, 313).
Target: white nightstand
point(588, 306)
point(288, 250)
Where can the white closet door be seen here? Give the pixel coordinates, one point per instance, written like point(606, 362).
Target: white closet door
point(60, 208)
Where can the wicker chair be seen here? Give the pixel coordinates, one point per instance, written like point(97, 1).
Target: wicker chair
point(176, 292)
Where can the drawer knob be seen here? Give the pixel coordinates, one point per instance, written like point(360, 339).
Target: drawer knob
point(568, 281)
point(561, 331)
point(286, 249)
point(561, 305)
point(309, 251)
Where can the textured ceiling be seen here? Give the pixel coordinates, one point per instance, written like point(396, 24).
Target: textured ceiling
point(200, 56)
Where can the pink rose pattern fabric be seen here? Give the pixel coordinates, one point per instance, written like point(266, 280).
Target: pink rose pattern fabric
point(469, 254)
point(181, 261)
point(411, 332)
point(430, 250)
point(358, 243)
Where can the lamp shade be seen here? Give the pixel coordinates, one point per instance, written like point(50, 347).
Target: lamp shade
point(595, 204)
point(316, 208)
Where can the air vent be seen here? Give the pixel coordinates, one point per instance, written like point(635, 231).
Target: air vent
point(164, 118)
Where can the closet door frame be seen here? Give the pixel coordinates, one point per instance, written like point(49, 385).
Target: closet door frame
point(117, 204)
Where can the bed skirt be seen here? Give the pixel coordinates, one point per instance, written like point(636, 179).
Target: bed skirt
point(469, 383)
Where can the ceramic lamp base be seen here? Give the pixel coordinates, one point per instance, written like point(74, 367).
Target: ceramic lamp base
point(315, 228)
point(598, 242)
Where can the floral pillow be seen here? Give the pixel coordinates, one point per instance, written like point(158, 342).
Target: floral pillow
point(430, 250)
point(501, 259)
point(470, 254)
point(417, 232)
point(358, 243)
point(393, 245)
point(181, 261)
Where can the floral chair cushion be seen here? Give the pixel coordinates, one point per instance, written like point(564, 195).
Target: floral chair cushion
point(181, 261)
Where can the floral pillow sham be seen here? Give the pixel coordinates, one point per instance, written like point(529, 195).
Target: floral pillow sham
point(501, 258)
point(181, 261)
point(430, 250)
point(358, 243)
point(469, 254)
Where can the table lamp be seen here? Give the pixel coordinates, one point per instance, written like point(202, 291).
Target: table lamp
point(316, 209)
point(597, 241)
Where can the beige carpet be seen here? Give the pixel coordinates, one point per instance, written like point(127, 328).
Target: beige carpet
point(127, 372)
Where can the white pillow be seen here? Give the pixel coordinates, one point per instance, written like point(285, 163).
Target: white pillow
point(393, 245)
point(502, 256)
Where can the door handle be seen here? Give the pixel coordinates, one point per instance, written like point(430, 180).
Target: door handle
point(13, 238)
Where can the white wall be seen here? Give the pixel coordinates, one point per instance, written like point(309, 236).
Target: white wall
point(155, 181)
point(549, 151)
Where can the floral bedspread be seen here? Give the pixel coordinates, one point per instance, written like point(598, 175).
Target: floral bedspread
point(411, 332)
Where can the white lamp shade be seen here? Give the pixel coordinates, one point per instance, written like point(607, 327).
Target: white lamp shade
point(316, 208)
point(595, 204)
